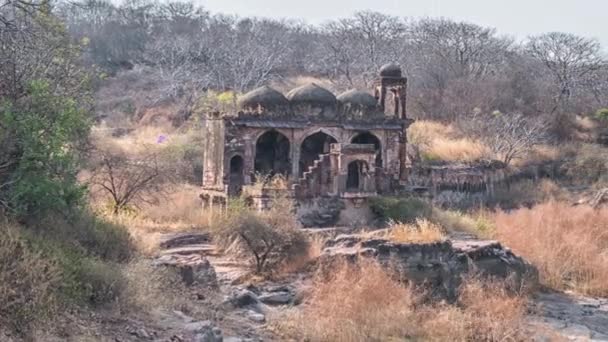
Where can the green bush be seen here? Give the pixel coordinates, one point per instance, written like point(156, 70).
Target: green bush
point(401, 209)
point(602, 114)
point(28, 283)
point(42, 139)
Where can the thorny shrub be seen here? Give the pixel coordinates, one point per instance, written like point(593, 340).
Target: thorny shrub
point(270, 238)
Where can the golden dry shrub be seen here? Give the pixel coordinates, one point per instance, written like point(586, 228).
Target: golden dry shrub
point(568, 244)
point(444, 143)
point(485, 311)
point(28, 283)
point(422, 231)
point(362, 302)
point(356, 303)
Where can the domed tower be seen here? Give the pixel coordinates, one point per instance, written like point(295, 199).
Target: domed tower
point(312, 99)
point(263, 99)
point(392, 81)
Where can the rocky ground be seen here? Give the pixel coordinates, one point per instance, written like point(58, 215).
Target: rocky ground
point(240, 309)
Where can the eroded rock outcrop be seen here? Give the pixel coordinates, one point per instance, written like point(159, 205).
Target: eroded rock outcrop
point(440, 265)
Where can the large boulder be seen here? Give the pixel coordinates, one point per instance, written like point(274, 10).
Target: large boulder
point(193, 268)
point(440, 266)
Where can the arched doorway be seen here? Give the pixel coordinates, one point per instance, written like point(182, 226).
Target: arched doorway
point(312, 147)
point(236, 176)
point(272, 154)
point(369, 138)
point(354, 177)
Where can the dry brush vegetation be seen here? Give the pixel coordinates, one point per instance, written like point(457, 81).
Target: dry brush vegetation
point(364, 303)
point(568, 244)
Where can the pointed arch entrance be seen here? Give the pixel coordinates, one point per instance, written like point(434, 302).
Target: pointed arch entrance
point(312, 147)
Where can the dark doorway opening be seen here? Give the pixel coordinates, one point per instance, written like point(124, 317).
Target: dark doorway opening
point(312, 148)
point(272, 154)
point(355, 175)
point(369, 138)
point(236, 176)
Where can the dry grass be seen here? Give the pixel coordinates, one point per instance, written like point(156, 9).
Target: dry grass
point(181, 207)
point(28, 283)
point(151, 288)
point(569, 245)
point(439, 142)
point(364, 303)
point(457, 150)
point(422, 231)
point(180, 211)
point(142, 140)
point(424, 132)
point(300, 262)
point(477, 222)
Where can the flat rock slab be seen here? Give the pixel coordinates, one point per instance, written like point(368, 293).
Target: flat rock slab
point(573, 316)
point(173, 240)
point(200, 249)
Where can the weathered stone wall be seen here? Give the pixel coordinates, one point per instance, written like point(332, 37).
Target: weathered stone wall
point(241, 140)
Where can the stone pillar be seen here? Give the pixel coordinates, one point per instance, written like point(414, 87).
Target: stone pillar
point(248, 159)
point(295, 160)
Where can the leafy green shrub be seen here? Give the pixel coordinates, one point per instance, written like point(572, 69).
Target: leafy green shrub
point(28, 283)
point(602, 114)
point(400, 209)
point(42, 139)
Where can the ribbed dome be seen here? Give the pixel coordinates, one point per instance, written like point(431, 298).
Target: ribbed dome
point(311, 94)
point(390, 70)
point(263, 96)
point(357, 97)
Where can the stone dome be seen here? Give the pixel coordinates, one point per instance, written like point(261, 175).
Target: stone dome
point(311, 94)
point(357, 97)
point(390, 70)
point(263, 96)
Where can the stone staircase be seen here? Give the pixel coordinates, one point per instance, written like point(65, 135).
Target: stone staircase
point(316, 180)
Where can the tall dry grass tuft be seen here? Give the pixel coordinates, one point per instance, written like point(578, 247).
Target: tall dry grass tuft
point(485, 311)
point(457, 150)
point(28, 283)
point(364, 303)
point(568, 244)
point(424, 132)
point(439, 142)
point(357, 303)
point(422, 231)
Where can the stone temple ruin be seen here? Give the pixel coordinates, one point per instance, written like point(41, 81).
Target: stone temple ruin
point(351, 147)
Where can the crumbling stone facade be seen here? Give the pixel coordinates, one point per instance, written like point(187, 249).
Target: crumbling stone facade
point(344, 146)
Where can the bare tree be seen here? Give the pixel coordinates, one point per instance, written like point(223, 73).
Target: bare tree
point(453, 65)
point(569, 58)
point(129, 182)
point(269, 238)
point(361, 44)
point(508, 135)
